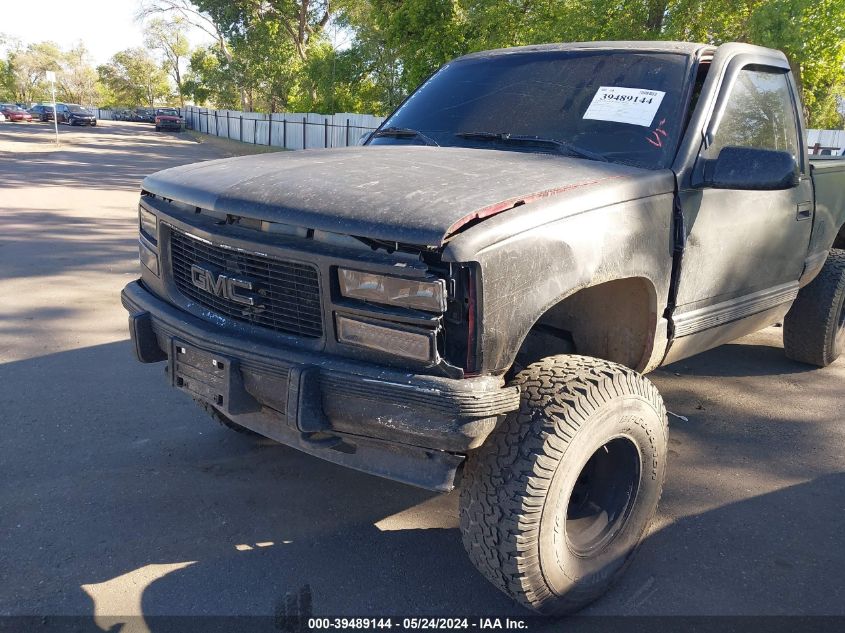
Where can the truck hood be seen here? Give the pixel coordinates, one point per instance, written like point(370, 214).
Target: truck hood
point(400, 193)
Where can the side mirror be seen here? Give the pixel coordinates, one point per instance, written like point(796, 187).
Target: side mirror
point(748, 168)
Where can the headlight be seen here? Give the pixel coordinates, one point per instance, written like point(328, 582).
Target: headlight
point(416, 345)
point(396, 291)
point(149, 225)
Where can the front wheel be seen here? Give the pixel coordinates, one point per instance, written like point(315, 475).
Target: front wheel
point(555, 503)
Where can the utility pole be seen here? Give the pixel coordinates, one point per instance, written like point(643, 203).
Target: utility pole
point(51, 77)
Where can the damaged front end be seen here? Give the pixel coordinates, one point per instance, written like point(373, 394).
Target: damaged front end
point(338, 345)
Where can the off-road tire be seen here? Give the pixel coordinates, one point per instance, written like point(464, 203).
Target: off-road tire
point(516, 489)
point(814, 328)
point(224, 420)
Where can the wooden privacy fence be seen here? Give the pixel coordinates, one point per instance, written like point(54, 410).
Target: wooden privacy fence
point(288, 129)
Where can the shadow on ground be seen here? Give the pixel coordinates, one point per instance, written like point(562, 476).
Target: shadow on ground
point(115, 156)
point(120, 495)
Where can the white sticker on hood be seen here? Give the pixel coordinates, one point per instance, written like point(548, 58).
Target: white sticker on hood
point(635, 106)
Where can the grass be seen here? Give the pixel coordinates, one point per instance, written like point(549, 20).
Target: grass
point(229, 146)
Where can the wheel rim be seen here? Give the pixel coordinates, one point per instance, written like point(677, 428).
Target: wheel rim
point(603, 496)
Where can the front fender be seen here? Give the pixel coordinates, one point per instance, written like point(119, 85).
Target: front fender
point(530, 271)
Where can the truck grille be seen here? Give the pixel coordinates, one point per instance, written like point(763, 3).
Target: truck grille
point(288, 292)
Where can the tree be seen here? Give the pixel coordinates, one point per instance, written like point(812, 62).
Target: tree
point(7, 81)
point(301, 22)
point(169, 39)
point(423, 34)
point(275, 54)
point(207, 81)
point(812, 34)
point(77, 79)
point(134, 77)
point(28, 66)
point(196, 17)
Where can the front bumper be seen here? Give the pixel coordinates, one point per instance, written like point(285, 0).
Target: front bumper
point(170, 125)
point(411, 428)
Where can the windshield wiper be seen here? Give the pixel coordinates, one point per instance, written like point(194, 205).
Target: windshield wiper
point(405, 132)
point(565, 146)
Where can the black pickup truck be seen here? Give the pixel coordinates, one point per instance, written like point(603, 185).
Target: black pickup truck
point(472, 298)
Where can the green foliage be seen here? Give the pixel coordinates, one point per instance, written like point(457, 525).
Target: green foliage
point(7, 81)
point(208, 83)
point(275, 54)
point(424, 33)
point(168, 38)
point(77, 80)
point(133, 77)
point(812, 34)
point(28, 66)
point(22, 74)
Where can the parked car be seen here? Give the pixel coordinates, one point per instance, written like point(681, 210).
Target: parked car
point(74, 114)
point(475, 296)
point(122, 114)
point(168, 119)
point(13, 112)
point(144, 115)
point(2, 117)
point(42, 112)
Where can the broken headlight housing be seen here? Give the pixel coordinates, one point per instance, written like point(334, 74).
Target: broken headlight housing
point(420, 294)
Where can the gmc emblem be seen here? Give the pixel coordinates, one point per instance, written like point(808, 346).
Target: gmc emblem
point(223, 285)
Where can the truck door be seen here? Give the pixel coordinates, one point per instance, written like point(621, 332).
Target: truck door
point(744, 250)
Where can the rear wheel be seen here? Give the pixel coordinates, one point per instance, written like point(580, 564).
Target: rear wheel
point(814, 328)
point(555, 503)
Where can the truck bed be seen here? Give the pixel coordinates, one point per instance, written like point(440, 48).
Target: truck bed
point(829, 183)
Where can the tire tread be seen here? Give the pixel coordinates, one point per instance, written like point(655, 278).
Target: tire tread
point(504, 481)
point(809, 329)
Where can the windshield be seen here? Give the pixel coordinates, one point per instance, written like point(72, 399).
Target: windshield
point(79, 109)
point(167, 112)
point(623, 107)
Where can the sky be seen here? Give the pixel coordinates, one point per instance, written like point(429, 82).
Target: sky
point(104, 26)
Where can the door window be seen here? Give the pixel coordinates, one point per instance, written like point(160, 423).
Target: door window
point(759, 114)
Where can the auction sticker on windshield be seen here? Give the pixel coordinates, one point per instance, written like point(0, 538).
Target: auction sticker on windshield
point(635, 106)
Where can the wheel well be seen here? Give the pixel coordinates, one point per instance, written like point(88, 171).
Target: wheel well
point(839, 242)
point(615, 320)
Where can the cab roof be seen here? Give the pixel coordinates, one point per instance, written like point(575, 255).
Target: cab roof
point(685, 48)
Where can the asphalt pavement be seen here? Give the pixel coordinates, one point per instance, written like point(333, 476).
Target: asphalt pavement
point(120, 498)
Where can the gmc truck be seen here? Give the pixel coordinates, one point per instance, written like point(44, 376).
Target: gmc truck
point(472, 297)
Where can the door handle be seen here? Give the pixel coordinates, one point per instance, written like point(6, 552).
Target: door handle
point(805, 211)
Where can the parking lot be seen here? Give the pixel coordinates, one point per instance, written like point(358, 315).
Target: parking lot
point(120, 497)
